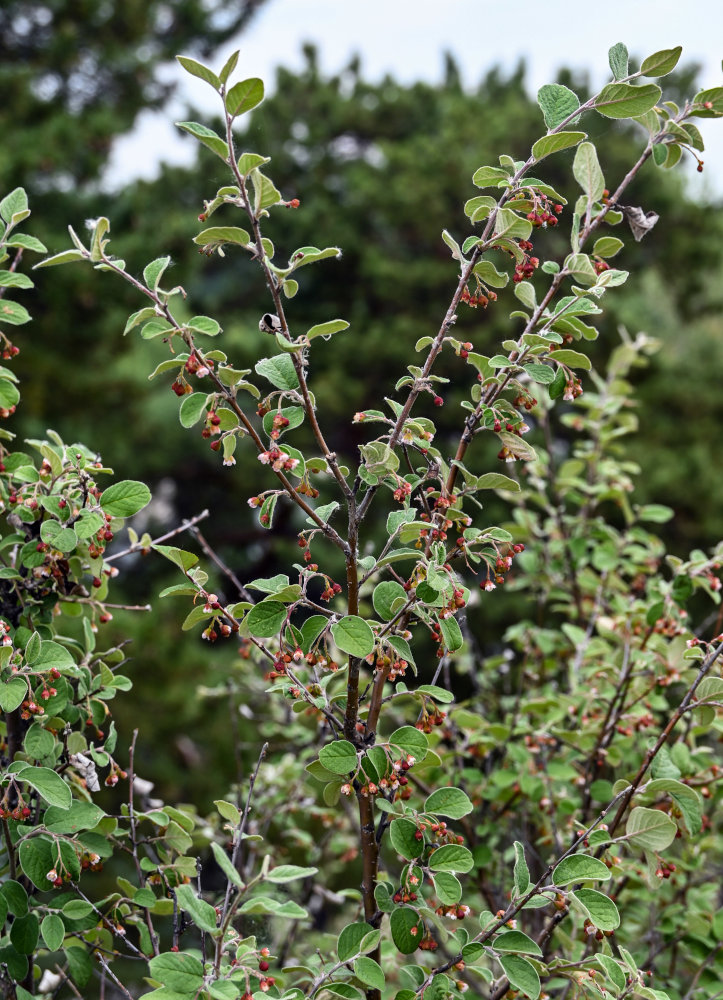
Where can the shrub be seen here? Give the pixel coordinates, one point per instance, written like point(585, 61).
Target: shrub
point(524, 811)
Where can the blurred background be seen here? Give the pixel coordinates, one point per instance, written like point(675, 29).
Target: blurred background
point(377, 115)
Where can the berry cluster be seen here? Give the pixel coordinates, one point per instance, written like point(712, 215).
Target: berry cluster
point(482, 297)
point(541, 214)
point(528, 265)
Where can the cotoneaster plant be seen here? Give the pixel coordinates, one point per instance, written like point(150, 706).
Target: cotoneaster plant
point(433, 809)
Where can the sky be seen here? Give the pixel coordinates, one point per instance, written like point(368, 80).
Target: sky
point(408, 38)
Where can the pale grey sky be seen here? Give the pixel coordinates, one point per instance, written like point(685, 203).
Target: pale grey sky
point(407, 38)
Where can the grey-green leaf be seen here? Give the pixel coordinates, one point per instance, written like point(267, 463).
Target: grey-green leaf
point(650, 828)
point(579, 867)
point(521, 974)
point(621, 100)
point(587, 172)
point(549, 144)
point(557, 103)
point(661, 63)
point(618, 59)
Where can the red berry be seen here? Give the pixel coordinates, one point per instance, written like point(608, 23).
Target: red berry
point(438, 401)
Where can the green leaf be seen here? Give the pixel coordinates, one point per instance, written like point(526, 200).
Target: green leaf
point(451, 858)
point(402, 835)
point(280, 371)
point(53, 931)
point(384, 596)
point(192, 408)
point(13, 693)
point(38, 743)
point(15, 896)
point(219, 235)
point(579, 867)
point(65, 257)
point(224, 863)
point(9, 395)
point(201, 913)
point(540, 373)
point(125, 499)
point(650, 828)
point(488, 273)
point(339, 757)
point(451, 633)
point(229, 66)
point(80, 964)
point(518, 942)
point(522, 975)
point(521, 873)
point(447, 887)
point(600, 909)
point(36, 860)
point(511, 225)
point(24, 934)
point(409, 740)
point(557, 103)
point(80, 816)
point(13, 313)
point(452, 802)
point(325, 330)
point(573, 359)
point(353, 636)
point(287, 873)
point(27, 243)
point(661, 63)
point(206, 325)
point(587, 172)
point(266, 619)
point(48, 784)
point(77, 909)
point(685, 797)
point(496, 481)
point(13, 205)
point(525, 292)
point(178, 970)
point(12, 279)
point(407, 929)
point(369, 972)
point(199, 70)
point(607, 246)
point(401, 647)
point(244, 96)
point(618, 60)
point(549, 144)
point(349, 940)
point(621, 100)
point(612, 970)
point(489, 176)
point(207, 136)
point(153, 272)
point(184, 560)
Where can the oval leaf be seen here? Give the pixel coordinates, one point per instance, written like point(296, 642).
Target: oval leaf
point(125, 499)
point(407, 929)
point(450, 802)
point(353, 636)
point(579, 867)
point(265, 620)
point(339, 757)
point(651, 828)
point(522, 975)
point(554, 143)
